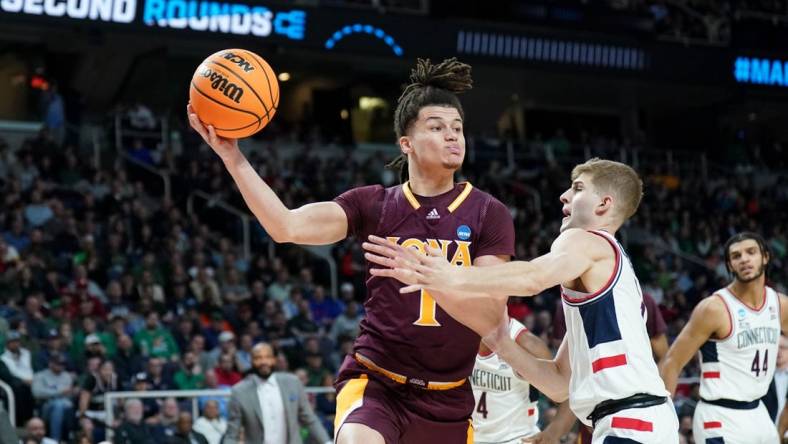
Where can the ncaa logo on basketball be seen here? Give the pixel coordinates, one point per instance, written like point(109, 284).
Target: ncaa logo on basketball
point(220, 83)
point(238, 60)
point(463, 232)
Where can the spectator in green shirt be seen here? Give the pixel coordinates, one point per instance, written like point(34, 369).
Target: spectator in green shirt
point(155, 341)
point(190, 376)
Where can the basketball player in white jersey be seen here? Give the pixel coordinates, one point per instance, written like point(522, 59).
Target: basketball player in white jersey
point(737, 331)
point(604, 364)
point(506, 409)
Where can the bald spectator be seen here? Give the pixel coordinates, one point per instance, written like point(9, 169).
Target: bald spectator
point(210, 424)
point(35, 431)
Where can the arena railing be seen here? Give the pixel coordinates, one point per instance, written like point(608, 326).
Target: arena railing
point(194, 395)
point(218, 203)
point(161, 173)
point(11, 402)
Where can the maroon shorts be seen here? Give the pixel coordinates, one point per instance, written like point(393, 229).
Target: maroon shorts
point(402, 413)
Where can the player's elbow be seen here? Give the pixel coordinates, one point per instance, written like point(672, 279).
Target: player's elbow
point(285, 231)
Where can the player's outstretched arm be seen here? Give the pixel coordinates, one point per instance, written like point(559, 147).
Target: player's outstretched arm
point(709, 319)
point(572, 254)
point(550, 376)
point(312, 224)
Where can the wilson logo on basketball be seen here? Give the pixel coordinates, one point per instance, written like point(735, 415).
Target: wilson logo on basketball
point(238, 60)
point(220, 83)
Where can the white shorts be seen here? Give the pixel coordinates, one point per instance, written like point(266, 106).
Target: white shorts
point(651, 425)
point(713, 424)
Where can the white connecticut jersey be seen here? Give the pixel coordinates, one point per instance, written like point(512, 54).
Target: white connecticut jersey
point(609, 347)
point(505, 403)
point(741, 365)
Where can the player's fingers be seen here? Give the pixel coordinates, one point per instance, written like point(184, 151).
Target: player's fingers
point(380, 241)
point(195, 123)
point(379, 249)
point(403, 263)
point(411, 289)
point(380, 260)
point(213, 139)
point(382, 272)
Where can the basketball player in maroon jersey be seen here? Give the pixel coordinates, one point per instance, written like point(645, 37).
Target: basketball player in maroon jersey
point(407, 380)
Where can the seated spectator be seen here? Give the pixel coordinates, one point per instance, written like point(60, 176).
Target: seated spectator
point(92, 415)
point(156, 341)
point(212, 384)
point(133, 430)
point(16, 236)
point(302, 323)
point(150, 406)
point(17, 371)
point(243, 357)
point(127, 361)
point(167, 421)
point(37, 213)
point(316, 371)
point(347, 323)
point(210, 424)
point(226, 347)
point(324, 307)
point(158, 377)
point(53, 388)
point(54, 347)
point(226, 373)
point(190, 376)
point(35, 432)
point(184, 434)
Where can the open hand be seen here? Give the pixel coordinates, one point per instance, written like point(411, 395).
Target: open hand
point(416, 270)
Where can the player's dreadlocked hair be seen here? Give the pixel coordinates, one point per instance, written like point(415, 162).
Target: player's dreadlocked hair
point(429, 85)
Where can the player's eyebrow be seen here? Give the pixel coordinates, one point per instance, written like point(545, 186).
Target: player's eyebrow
point(577, 182)
point(441, 119)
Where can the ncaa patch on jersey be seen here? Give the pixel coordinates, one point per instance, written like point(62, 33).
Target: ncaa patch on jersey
point(463, 232)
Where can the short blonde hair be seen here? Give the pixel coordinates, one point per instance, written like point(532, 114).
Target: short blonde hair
point(614, 178)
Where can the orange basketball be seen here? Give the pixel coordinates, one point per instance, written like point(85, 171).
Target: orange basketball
point(236, 91)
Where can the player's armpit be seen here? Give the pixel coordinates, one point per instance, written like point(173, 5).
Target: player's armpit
point(710, 319)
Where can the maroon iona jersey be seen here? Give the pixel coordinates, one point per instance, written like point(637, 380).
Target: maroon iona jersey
point(408, 333)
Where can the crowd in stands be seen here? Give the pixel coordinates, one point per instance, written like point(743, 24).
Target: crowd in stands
point(107, 286)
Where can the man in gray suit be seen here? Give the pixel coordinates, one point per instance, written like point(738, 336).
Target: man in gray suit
point(271, 407)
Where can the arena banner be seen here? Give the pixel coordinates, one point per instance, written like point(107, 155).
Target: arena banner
point(343, 30)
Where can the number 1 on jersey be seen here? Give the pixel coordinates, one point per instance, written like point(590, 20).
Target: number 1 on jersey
point(427, 309)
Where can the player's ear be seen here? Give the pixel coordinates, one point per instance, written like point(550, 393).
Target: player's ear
point(604, 205)
point(404, 145)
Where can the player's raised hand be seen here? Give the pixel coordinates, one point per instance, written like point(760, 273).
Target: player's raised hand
point(225, 148)
point(417, 271)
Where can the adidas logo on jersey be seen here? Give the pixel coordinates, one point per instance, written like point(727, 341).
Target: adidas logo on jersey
point(433, 214)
